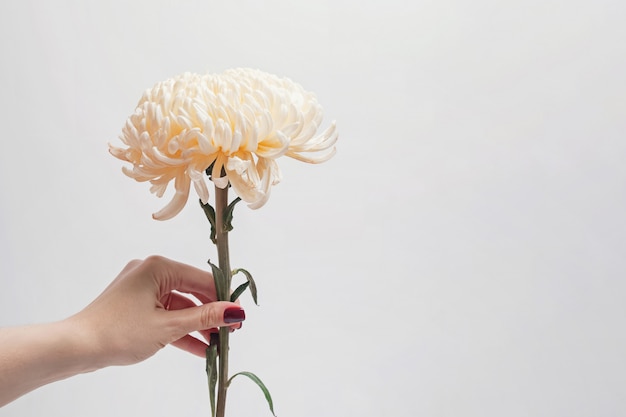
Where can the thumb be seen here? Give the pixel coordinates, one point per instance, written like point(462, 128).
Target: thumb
point(206, 316)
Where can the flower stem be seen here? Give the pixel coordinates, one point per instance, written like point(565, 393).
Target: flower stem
point(221, 236)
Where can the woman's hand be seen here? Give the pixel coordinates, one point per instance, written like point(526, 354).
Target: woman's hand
point(144, 309)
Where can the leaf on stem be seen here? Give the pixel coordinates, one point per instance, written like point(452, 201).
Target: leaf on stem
point(211, 371)
point(260, 384)
point(220, 282)
point(228, 215)
point(250, 282)
point(240, 289)
point(210, 214)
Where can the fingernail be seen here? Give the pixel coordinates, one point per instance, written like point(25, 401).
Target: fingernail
point(234, 315)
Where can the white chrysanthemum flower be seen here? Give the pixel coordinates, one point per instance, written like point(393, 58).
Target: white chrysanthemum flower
point(238, 122)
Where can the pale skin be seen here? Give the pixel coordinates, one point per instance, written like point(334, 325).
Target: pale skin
point(144, 309)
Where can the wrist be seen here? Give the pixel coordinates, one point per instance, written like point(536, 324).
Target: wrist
point(81, 346)
point(39, 354)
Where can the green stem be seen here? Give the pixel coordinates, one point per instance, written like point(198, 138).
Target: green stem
point(221, 236)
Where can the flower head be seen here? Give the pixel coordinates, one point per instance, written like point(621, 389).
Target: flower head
point(233, 126)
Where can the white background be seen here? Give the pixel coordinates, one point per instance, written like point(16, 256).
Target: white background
point(463, 254)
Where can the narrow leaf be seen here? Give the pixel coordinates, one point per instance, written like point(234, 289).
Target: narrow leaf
point(251, 281)
point(209, 211)
point(260, 384)
point(228, 215)
point(240, 289)
point(211, 371)
point(220, 282)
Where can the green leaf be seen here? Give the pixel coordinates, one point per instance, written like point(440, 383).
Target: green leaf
point(240, 289)
point(220, 282)
point(211, 371)
point(209, 211)
point(228, 215)
point(250, 281)
point(260, 384)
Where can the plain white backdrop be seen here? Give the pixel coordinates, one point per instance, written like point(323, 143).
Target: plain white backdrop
point(463, 254)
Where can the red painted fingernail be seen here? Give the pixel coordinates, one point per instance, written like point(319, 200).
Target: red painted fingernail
point(234, 315)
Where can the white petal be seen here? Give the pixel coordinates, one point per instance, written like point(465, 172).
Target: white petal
point(199, 184)
point(245, 189)
point(220, 182)
point(317, 159)
point(136, 175)
point(178, 201)
point(237, 139)
point(209, 129)
point(205, 145)
point(238, 165)
point(119, 153)
point(223, 135)
point(216, 174)
point(292, 130)
point(158, 189)
point(264, 188)
point(318, 143)
point(159, 156)
point(273, 147)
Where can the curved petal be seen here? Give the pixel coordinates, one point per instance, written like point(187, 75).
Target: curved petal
point(273, 146)
point(136, 174)
point(216, 175)
point(317, 159)
point(158, 188)
point(179, 200)
point(319, 143)
point(245, 189)
point(267, 178)
point(199, 184)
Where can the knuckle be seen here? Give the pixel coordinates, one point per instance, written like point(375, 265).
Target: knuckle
point(152, 266)
point(154, 261)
